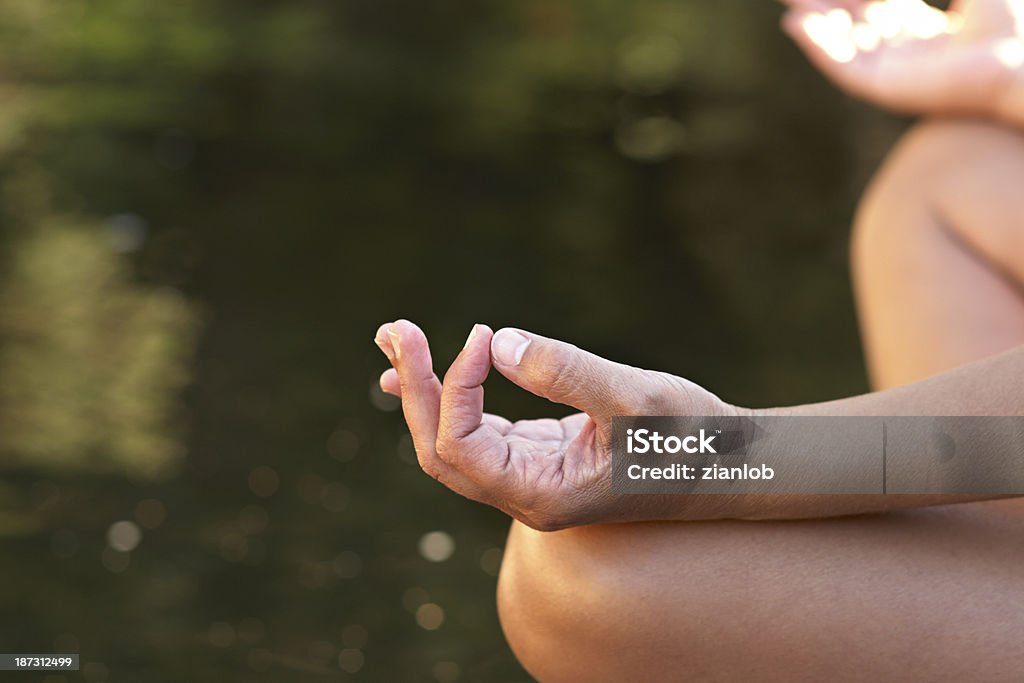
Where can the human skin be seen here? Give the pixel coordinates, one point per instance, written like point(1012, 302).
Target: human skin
point(919, 594)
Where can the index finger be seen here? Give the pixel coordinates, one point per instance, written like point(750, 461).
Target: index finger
point(463, 428)
point(421, 393)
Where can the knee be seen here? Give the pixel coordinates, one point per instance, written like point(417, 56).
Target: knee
point(933, 166)
point(936, 148)
point(537, 605)
point(906, 178)
point(896, 211)
point(576, 605)
point(946, 182)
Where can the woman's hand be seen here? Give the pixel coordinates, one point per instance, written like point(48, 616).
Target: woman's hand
point(907, 56)
point(549, 474)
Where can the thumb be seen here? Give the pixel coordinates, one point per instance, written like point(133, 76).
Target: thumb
point(563, 373)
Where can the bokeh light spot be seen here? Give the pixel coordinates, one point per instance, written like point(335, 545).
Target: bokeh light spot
point(334, 496)
point(124, 536)
point(351, 660)
point(355, 636)
point(253, 519)
point(430, 616)
point(343, 445)
point(263, 481)
point(446, 672)
point(347, 564)
point(221, 634)
point(490, 561)
point(437, 546)
point(150, 513)
point(233, 547)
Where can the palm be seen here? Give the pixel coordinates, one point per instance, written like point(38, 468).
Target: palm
point(535, 470)
point(908, 56)
point(545, 457)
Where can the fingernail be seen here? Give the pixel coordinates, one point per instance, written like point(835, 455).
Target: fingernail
point(383, 343)
point(393, 336)
point(384, 346)
point(509, 346)
point(474, 333)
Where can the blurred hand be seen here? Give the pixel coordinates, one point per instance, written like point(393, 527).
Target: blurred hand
point(549, 474)
point(907, 56)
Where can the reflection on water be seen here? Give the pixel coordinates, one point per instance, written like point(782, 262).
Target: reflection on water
point(92, 365)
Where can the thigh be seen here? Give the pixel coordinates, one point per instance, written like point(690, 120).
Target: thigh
point(925, 595)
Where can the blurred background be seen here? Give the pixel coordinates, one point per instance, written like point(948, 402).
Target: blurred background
point(208, 207)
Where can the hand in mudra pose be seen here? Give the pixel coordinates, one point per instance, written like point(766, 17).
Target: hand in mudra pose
point(550, 474)
point(908, 56)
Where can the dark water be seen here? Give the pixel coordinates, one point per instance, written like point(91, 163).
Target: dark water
point(210, 206)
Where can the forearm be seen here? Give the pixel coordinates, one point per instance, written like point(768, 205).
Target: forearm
point(994, 386)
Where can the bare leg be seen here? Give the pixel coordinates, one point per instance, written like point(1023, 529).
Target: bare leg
point(933, 594)
point(938, 251)
point(923, 595)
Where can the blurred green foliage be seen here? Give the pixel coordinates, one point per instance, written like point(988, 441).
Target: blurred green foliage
point(209, 206)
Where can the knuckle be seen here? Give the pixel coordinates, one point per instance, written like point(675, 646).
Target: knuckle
point(565, 376)
point(465, 456)
point(653, 396)
point(449, 449)
point(444, 447)
point(432, 470)
point(431, 463)
point(448, 454)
